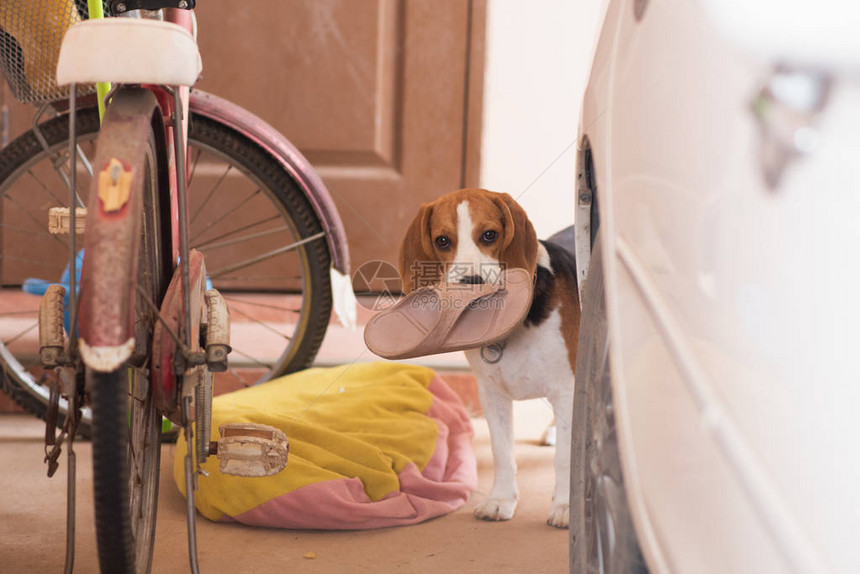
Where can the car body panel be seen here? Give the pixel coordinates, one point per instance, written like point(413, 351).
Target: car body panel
point(731, 302)
point(822, 33)
point(677, 458)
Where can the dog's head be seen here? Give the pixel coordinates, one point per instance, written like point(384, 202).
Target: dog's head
point(467, 236)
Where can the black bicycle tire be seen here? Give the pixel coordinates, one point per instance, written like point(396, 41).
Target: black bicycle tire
point(109, 398)
point(239, 147)
point(111, 494)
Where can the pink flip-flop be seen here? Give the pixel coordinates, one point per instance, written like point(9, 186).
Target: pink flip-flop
point(450, 317)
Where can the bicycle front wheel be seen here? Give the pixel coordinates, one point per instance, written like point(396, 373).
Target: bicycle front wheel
point(126, 424)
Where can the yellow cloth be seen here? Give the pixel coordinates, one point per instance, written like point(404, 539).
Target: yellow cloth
point(365, 420)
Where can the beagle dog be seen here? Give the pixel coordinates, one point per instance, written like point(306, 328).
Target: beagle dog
point(468, 236)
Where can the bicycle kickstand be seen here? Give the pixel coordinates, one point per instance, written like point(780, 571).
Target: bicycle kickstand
point(67, 387)
point(190, 487)
point(72, 419)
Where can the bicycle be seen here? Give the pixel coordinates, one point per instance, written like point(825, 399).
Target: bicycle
point(224, 139)
point(141, 315)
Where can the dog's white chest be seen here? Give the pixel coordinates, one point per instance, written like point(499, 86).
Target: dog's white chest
point(534, 363)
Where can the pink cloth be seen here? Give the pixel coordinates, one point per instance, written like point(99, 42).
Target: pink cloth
point(342, 504)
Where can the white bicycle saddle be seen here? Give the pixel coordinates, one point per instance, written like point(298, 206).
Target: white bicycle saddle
point(128, 51)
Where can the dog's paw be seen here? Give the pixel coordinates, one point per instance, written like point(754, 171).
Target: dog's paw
point(549, 435)
point(496, 509)
point(559, 515)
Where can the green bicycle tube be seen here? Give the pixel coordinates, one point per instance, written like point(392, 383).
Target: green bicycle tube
point(96, 11)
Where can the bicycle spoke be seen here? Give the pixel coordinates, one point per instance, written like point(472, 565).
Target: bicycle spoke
point(194, 168)
point(263, 324)
point(229, 212)
point(211, 246)
point(140, 442)
point(58, 161)
point(62, 159)
point(41, 224)
point(211, 193)
point(21, 334)
point(264, 305)
point(265, 256)
point(235, 374)
point(134, 454)
point(257, 362)
point(46, 189)
point(240, 229)
point(251, 278)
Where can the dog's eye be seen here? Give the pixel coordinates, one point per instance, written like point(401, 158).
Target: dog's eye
point(443, 242)
point(489, 236)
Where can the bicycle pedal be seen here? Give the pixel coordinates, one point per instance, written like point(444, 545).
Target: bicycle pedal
point(217, 331)
point(60, 221)
point(51, 339)
point(251, 450)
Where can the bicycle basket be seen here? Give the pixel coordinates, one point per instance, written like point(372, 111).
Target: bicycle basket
point(31, 32)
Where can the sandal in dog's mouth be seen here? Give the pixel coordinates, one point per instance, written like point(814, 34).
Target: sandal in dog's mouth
point(450, 317)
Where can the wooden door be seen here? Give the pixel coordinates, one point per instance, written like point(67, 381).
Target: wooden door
point(382, 96)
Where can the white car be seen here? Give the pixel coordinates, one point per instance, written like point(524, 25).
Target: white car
point(717, 411)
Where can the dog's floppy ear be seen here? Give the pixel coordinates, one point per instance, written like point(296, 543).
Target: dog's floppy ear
point(519, 247)
point(418, 264)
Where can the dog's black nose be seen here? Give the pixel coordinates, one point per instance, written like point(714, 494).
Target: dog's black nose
point(472, 280)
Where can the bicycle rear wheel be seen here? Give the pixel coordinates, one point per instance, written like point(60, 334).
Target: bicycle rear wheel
point(126, 424)
point(247, 216)
point(265, 251)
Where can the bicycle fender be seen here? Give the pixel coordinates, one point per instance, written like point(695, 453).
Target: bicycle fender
point(299, 168)
point(109, 271)
point(167, 382)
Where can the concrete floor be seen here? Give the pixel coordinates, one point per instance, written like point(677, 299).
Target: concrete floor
point(32, 521)
point(32, 506)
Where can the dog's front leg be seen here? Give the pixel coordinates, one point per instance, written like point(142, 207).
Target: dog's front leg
point(559, 513)
point(498, 410)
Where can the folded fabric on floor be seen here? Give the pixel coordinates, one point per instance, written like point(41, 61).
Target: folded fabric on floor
point(371, 445)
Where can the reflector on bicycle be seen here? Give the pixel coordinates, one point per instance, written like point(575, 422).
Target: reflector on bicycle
point(114, 185)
